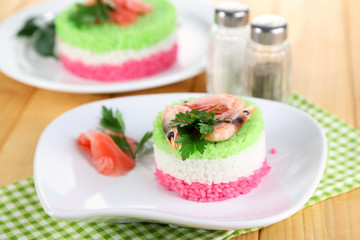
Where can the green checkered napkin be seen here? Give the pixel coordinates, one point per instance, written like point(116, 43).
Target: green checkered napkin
point(22, 217)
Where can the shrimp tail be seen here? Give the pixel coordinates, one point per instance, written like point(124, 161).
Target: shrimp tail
point(249, 111)
point(239, 120)
point(171, 137)
point(171, 133)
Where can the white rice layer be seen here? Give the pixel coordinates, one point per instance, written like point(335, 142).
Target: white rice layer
point(211, 171)
point(114, 57)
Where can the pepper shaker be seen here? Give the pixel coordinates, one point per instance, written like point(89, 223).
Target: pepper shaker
point(227, 47)
point(268, 69)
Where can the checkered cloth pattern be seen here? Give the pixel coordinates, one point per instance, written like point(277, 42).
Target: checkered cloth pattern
point(22, 217)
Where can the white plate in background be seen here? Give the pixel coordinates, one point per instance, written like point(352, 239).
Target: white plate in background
point(70, 188)
point(22, 64)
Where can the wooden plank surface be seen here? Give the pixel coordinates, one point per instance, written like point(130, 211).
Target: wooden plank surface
point(352, 19)
point(324, 36)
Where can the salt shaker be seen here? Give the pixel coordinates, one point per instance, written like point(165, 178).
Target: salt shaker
point(268, 65)
point(228, 40)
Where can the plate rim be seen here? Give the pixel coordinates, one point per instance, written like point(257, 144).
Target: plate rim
point(108, 87)
point(148, 215)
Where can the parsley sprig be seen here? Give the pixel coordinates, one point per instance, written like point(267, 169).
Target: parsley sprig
point(114, 122)
point(42, 36)
point(91, 14)
point(192, 127)
point(42, 33)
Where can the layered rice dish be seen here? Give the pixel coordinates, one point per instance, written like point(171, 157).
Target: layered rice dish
point(233, 160)
point(136, 42)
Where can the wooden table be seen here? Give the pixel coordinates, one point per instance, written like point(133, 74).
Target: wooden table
point(325, 39)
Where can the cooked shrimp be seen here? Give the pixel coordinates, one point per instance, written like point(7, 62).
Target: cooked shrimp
point(223, 105)
point(171, 133)
point(226, 130)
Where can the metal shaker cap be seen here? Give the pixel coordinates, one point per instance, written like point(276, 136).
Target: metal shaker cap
point(231, 14)
point(269, 29)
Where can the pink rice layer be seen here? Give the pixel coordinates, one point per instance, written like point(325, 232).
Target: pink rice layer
point(201, 192)
point(129, 70)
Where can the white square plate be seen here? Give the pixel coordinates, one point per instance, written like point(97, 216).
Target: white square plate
point(70, 188)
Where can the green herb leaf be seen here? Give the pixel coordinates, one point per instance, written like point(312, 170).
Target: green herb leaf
point(192, 127)
point(200, 145)
point(114, 122)
point(102, 12)
point(122, 143)
point(120, 120)
point(96, 13)
point(206, 128)
point(111, 122)
point(142, 142)
point(45, 42)
point(28, 29)
point(189, 145)
point(43, 36)
point(201, 120)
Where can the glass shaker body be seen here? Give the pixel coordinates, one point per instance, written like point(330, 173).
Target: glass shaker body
point(268, 70)
point(227, 48)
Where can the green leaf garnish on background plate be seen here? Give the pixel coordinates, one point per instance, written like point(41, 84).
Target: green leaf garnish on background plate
point(91, 14)
point(28, 29)
point(45, 41)
point(41, 36)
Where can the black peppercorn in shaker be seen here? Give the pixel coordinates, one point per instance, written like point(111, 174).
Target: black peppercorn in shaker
point(268, 59)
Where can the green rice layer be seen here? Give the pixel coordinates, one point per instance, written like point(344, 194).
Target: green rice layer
point(243, 139)
point(148, 30)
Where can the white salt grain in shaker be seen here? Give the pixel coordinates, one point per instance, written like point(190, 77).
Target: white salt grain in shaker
point(227, 46)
